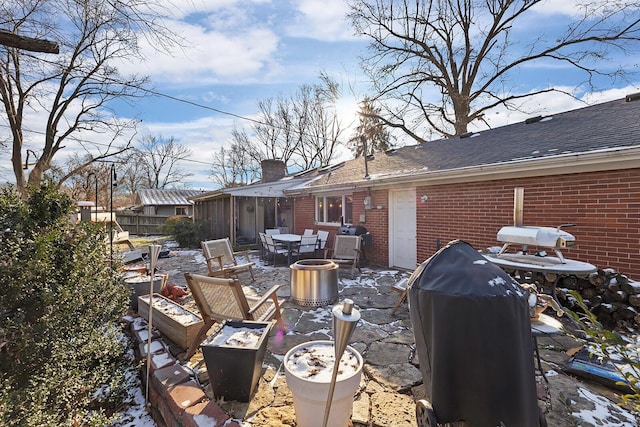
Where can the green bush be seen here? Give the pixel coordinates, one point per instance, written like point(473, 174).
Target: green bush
point(63, 357)
point(187, 233)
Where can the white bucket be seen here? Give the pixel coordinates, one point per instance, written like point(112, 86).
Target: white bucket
point(310, 396)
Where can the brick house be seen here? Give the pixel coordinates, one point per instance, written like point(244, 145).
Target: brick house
point(580, 166)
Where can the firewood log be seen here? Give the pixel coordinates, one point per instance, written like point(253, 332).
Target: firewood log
point(597, 278)
point(634, 300)
point(631, 287)
point(622, 279)
point(570, 282)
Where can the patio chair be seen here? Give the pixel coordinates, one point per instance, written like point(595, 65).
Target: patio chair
point(307, 232)
point(323, 236)
point(401, 288)
point(221, 260)
point(274, 250)
point(346, 251)
point(219, 299)
point(272, 231)
point(307, 246)
point(263, 246)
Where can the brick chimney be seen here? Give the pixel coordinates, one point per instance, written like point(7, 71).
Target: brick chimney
point(272, 170)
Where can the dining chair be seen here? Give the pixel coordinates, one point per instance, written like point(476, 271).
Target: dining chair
point(323, 236)
point(307, 232)
point(307, 246)
point(273, 249)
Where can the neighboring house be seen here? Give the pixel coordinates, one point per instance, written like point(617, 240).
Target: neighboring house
point(580, 166)
point(154, 201)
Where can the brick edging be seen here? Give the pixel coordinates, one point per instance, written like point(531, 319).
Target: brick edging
point(175, 397)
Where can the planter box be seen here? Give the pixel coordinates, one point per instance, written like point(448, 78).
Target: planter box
point(233, 364)
point(172, 320)
point(139, 285)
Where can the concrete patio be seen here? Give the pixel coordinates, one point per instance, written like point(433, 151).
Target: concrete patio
point(391, 380)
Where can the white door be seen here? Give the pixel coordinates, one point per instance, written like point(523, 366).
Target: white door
point(402, 228)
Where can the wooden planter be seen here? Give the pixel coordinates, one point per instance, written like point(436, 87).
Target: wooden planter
point(172, 320)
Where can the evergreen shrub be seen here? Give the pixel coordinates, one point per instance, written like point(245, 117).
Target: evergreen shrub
point(63, 357)
point(185, 231)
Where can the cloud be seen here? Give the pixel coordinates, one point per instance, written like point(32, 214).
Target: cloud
point(210, 57)
point(321, 19)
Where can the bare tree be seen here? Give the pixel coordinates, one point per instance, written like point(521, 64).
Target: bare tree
point(73, 88)
point(446, 62)
point(303, 130)
point(160, 158)
point(237, 166)
point(275, 133)
point(371, 134)
point(320, 135)
point(134, 174)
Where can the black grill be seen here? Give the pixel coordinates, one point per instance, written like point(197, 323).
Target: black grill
point(473, 338)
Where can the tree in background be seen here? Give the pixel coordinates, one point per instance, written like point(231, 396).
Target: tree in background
point(62, 353)
point(73, 88)
point(371, 134)
point(82, 185)
point(320, 130)
point(441, 64)
point(238, 165)
point(303, 130)
point(157, 161)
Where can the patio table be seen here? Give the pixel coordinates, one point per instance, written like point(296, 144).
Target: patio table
point(289, 239)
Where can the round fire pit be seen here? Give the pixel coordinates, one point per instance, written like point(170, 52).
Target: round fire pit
point(314, 282)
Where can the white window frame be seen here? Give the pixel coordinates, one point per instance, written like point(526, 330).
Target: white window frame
point(324, 207)
point(186, 210)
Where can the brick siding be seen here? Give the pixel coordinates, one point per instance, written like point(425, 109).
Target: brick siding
point(604, 205)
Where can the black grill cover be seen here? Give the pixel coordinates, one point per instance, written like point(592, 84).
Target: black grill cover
point(473, 337)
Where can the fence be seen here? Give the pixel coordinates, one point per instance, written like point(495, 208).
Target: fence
point(141, 224)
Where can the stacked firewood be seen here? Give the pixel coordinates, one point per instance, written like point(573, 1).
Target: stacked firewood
point(610, 295)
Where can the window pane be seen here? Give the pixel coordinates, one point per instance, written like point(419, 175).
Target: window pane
point(334, 208)
point(320, 209)
point(348, 209)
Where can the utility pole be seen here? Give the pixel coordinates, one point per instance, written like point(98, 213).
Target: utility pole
point(10, 39)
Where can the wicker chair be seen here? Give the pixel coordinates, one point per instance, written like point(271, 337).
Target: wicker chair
point(221, 260)
point(219, 299)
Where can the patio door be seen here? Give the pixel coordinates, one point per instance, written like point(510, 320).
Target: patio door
point(402, 229)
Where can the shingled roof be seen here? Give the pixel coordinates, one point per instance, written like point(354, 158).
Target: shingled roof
point(607, 130)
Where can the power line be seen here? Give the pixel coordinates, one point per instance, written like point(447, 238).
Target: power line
point(76, 139)
point(217, 110)
point(189, 102)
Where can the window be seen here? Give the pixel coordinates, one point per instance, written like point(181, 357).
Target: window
point(333, 209)
point(181, 210)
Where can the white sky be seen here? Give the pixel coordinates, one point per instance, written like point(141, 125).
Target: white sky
point(239, 51)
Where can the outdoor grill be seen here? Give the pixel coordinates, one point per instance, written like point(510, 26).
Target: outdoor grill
point(473, 339)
